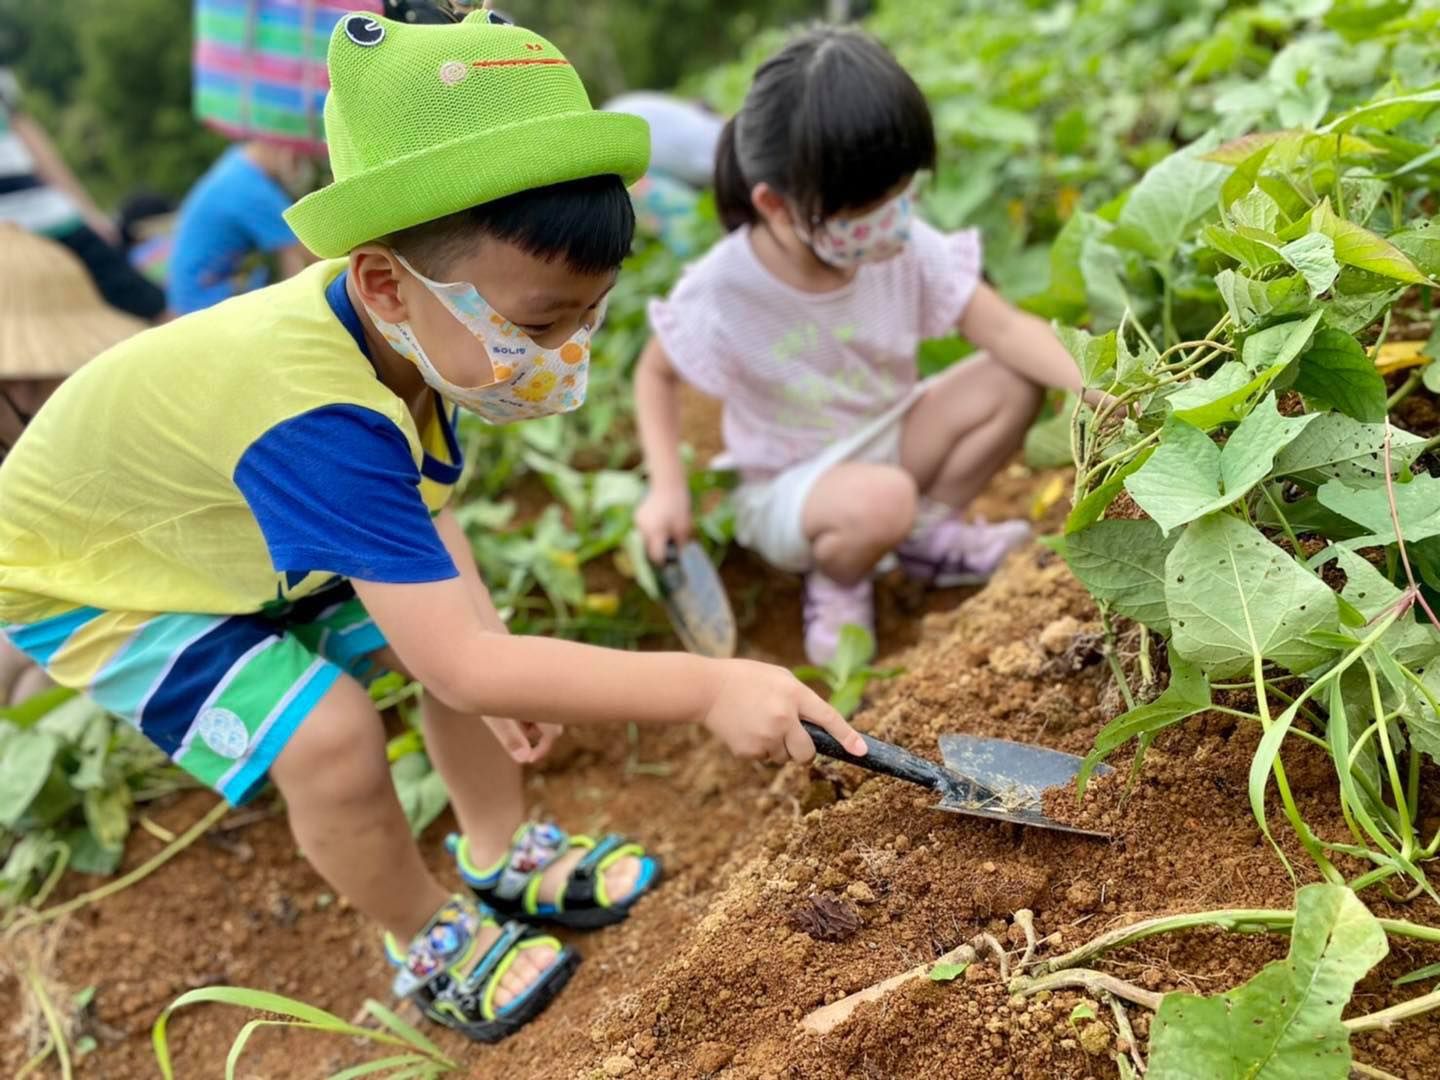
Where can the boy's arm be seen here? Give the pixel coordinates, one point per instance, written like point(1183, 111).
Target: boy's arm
point(436, 630)
point(526, 743)
point(1021, 341)
point(665, 513)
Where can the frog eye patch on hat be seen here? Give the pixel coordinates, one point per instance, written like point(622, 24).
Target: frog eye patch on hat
point(364, 30)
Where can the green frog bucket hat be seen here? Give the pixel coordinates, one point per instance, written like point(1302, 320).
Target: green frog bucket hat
point(423, 121)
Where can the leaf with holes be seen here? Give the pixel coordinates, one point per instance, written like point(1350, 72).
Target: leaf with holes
point(1284, 1024)
point(1336, 447)
point(1234, 597)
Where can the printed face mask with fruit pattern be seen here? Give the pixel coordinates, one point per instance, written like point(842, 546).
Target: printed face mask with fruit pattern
point(530, 381)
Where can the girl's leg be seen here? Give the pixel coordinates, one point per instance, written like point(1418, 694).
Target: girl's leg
point(487, 793)
point(965, 428)
point(348, 822)
point(855, 514)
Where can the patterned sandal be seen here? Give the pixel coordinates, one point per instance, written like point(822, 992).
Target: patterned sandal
point(438, 970)
point(512, 885)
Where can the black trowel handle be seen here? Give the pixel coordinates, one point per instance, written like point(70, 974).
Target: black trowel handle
point(884, 758)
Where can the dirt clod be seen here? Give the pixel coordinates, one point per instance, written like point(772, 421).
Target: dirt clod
point(711, 1057)
point(860, 892)
point(1056, 637)
point(1095, 1038)
point(619, 1065)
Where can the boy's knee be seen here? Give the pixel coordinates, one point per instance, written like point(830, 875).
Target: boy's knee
point(338, 751)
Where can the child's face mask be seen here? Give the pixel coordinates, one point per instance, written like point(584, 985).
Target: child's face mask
point(529, 381)
point(846, 243)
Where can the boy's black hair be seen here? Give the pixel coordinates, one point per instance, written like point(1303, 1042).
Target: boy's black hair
point(589, 223)
point(831, 121)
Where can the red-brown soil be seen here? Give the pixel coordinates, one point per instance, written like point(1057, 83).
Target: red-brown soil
point(710, 976)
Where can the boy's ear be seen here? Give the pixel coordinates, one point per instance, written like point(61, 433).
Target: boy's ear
point(376, 273)
point(771, 204)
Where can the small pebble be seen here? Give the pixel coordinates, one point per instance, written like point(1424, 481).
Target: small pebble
point(619, 1065)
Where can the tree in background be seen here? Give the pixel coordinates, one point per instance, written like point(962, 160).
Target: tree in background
point(633, 44)
point(111, 81)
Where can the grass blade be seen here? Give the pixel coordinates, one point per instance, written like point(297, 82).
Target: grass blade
point(404, 1029)
point(369, 1068)
point(237, 1048)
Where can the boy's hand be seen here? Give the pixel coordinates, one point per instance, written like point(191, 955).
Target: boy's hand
point(525, 743)
point(756, 711)
point(664, 516)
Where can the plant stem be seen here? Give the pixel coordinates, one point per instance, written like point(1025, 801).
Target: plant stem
point(1239, 920)
point(1371, 1072)
point(1147, 673)
point(1114, 661)
point(1405, 389)
point(1285, 524)
point(159, 859)
point(1388, 1018)
point(1097, 982)
point(52, 1019)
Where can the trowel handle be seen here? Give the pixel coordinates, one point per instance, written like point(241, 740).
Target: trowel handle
point(882, 757)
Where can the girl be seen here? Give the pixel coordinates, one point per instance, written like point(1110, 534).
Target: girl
point(805, 322)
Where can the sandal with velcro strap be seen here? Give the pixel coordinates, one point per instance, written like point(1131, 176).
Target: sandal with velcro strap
point(512, 885)
point(439, 971)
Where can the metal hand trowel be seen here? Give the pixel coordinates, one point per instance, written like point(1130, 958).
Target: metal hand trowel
point(988, 778)
point(694, 597)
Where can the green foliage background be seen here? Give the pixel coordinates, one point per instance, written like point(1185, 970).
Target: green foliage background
point(111, 81)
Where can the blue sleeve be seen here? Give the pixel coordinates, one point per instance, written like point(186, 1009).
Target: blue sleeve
point(337, 490)
point(262, 214)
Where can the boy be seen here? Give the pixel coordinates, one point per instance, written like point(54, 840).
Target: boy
point(219, 527)
point(234, 215)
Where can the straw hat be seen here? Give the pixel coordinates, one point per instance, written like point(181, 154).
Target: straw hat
point(52, 319)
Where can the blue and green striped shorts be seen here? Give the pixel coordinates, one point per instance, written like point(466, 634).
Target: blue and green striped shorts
point(220, 694)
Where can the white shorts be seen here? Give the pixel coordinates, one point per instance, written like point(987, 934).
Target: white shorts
point(769, 514)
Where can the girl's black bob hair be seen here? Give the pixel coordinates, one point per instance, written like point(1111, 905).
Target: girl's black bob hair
point(831, 121)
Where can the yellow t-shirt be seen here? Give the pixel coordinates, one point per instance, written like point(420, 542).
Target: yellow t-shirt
point(240, 456)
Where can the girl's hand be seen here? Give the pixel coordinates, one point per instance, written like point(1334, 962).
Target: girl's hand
point(756, 712)
point(525, 743)
point(663, 516)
